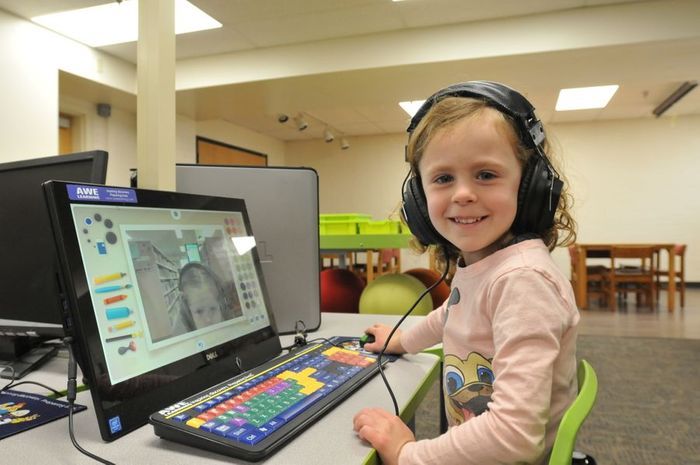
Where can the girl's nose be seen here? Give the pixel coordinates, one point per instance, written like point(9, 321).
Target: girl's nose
point(464, 193)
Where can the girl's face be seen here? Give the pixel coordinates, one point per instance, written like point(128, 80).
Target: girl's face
point(470, 176)
point(203, 303)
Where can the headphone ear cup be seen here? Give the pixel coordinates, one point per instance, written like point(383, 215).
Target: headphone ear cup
point(538, 197)
point(415, 213)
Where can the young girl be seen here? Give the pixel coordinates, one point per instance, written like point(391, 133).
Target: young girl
point(490, 202)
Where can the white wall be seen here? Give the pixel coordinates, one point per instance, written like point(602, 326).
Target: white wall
point(366, 178)
point(636, 181)
point(117, 135)
point(633, 180)
point(28, 90)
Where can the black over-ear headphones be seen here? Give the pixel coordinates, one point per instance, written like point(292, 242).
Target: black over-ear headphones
point(540, 186)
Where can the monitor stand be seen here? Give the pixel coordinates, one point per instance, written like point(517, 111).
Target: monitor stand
point(21, 354)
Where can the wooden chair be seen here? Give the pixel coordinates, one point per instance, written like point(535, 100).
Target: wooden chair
point(636, 275)
point(595, 276)
point(345, 260)
point(678, 253)
point(382, 261)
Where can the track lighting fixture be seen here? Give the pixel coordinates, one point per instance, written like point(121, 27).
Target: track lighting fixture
point(304, 120)
point(301, 123)
point(678, 94)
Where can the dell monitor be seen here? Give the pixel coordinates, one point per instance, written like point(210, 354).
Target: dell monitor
point(30, 300)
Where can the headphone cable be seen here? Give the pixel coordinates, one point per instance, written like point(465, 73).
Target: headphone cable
point(396, 327)
point(71, 396)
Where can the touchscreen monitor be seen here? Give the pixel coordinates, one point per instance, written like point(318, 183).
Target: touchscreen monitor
point(166, 295)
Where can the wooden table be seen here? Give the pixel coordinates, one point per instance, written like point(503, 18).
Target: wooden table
point(368, 243)
point(603, 251)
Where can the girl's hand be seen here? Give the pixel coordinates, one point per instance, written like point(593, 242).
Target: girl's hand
point(384, 431)
point(381, 333)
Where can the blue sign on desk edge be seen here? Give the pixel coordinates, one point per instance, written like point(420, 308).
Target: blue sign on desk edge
point(101, 194)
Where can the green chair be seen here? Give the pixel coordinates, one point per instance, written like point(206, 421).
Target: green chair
point(563, 449)
point(393, 294)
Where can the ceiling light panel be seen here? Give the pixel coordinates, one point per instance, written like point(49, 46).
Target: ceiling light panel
point(116, 23)
point(584, 98)
point(411, 107)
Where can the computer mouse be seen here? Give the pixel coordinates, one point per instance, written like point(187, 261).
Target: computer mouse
point(366, 339)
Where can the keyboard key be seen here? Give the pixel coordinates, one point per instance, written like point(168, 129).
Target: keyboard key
point(299, 407)
point(222, 430)
point(238, 421)
point(252, 437)
point(209, 426)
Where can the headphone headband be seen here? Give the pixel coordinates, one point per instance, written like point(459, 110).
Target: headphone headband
point(499, 96)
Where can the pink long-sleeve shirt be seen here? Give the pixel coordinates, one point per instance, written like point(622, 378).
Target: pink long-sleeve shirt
point(509, 337)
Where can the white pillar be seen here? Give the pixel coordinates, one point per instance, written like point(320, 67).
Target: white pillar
point(155, 128)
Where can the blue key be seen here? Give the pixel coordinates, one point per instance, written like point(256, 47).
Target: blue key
point(253, 437)
point(238, 433)
point(222, 430)
point(271, 426)
point(299, 407)
point(181, 417)
point(209, 426)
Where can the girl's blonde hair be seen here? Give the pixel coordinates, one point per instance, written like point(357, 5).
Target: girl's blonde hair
point(446, 113)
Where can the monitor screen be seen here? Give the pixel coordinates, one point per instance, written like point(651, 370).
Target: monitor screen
point(29, 294)
point(166, 295)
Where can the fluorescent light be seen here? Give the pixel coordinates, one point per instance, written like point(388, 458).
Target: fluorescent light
point(583, 98)
point(116, 23)
point(411, 107)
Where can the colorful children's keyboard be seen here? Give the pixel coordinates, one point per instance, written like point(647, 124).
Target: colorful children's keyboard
point(254, 414)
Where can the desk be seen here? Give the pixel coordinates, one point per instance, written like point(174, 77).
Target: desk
point(603, 251)
point(368, 243)
point(330, 440)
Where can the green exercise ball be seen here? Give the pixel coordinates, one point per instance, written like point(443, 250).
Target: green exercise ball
point(394, 294)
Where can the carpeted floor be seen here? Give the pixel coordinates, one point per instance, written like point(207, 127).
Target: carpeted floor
point(648, 407)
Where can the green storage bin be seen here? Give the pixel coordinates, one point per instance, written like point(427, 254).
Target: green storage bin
point(341, 223)
point(380, 227)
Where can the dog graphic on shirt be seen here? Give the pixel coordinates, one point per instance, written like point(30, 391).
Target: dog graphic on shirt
point(468, 386)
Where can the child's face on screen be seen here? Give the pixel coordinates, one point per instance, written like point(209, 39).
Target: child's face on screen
point(203, 302)
point(471, 176)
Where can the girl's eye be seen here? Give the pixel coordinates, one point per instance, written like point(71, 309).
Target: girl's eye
point(485, 175)
point(443, 179)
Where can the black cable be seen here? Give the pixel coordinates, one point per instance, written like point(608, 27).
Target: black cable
point(70, 397)
point(396, 327)
point(12, 384)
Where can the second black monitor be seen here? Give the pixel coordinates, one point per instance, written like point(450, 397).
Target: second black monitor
point(282, 203)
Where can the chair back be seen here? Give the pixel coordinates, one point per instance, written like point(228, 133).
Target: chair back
point(393, 294)
point(644, 254)
point(631, 251)
point(575, 415)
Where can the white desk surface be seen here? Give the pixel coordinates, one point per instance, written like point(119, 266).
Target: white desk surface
point(329, 441)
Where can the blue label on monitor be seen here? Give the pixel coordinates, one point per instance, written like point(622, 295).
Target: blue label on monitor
point(101, 194)
point(115, 425)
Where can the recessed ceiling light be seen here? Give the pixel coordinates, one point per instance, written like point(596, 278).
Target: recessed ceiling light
point(411, 107)
point(583, 98)
point(117, 22)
